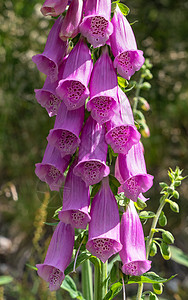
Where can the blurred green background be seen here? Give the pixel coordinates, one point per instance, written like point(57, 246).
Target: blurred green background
point(161, 32)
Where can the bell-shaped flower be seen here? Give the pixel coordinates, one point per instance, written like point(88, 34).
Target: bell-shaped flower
point(122, 133)
point(103, 89)
point(54, 52)
point(52, 168)
point(72, 87)
point(93, 149)
point(104, 228)
point(96, 25)
point(133, 253)
point(128, 59)
point(76, 201)
point(65, 134)
point(53, 7)
point(132, 169)
point(70, 25)
point(58, 256)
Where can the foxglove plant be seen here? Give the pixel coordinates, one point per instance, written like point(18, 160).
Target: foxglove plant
point(103, 89)
point(96, 25)
point(128, 58)
point(65, 134)
point(104, 228)
point(54, 52)
point(72, 87)
point(58, 256)
point(53, 7)
point(52, 167)
point(76, 200)
point(121, 132)
point(133, 253)
point(91, 165)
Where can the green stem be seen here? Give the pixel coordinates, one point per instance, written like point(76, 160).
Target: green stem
point(137, 94)
point(100, 284)
point(87, 282)
point(104, 278)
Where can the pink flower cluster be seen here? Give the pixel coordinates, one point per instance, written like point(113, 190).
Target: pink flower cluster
point(71, 80)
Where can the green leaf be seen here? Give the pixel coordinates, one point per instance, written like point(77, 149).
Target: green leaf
point(173, 205)
point(70, 286)
point(149, 277)
point(140, 204)
point(168, 237)
point(95, 189)
point(81, 258)
point(122, 82)
point(51, 224)
point(165, 250)
point(114, 184)
point(158, 288)
point(114, 290)
point(111, 263)
point(179, 256)
point(31, 267)
point(56, 213)
point(5, 279)
point(153, 249)
point(146, 214)
point(124, 9)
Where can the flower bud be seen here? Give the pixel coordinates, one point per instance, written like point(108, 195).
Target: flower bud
point(162, 219)
point(153, 249)
point(145, 131)
point(153, 297)
point(168, 237)
point(158, 288)
point(165, 251)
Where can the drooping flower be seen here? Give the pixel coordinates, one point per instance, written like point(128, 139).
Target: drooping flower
point(53, 7)
point(122, 134)
point(128, 59)
point(91, 165)
point(132, 170)
point(58, 256)
point(70, 25)
point(76, 201)
point(96, 25)
point(65, 134)
point(103, 89)
point(133, 253)
point(72, 87)
point(104, 228)
point(52, 168)
point(54, 52)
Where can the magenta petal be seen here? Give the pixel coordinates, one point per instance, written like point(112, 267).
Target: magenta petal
point(67, 127)
point(133, 253)
point(53, 7)
point(76, 201)
point(52, 168)
point(92, 153)
point(69, 28)
point(72, 87)
point(58, 256)
point(54, 52)
point(104, 230)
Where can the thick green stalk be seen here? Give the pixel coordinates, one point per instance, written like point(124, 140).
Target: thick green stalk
point(100, 284)
point(87, 282)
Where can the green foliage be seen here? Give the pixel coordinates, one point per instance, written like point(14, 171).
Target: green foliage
point(179, 256)
point(6, 279)
point(70, 286)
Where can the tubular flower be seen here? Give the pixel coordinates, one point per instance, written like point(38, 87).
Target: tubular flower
point(104, 228)
point(128, 59)
point(132, 169)
point(76, 201)
point(58, 256)
point(52, 168)
point(91, 165)
point(133, 253)
point(122, 134)
point(70, 24)
point(103, 89)
point(67, 127)
point(53, 7)
point(72, 87)
point(96, 25)
point(54, 52)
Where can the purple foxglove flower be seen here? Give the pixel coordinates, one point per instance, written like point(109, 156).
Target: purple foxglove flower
point(76, 201)
point(72, 88)
point(67, 127)
point(128, 59)
point(133, 253)
point(58, 256)
point(53, 7)
point(92, 166)
point(54, 52)
point(132, 169)
point(52, 168)
point(103, 89)
point(96, 25)
point(104, 228)
point(70, 25)
point(122, 134)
